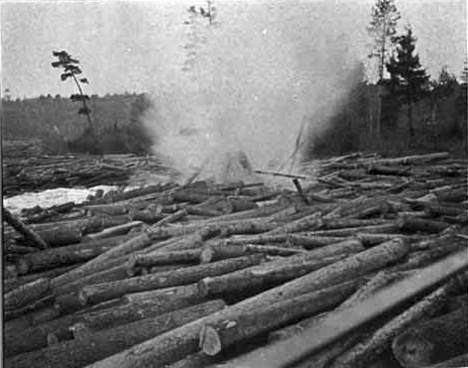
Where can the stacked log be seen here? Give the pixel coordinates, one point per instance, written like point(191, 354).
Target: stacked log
point(196, 274)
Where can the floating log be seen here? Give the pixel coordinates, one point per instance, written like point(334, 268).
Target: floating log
point(176, 344)
point(366, 351)
point(292, 350)
point(164, 258)
point(98, 345)
point(26, 293)
point(61, 256)
point(423, 225)
point(433, 341)
point(29, 234)
point(114, 231)
point(36, 337)
point(110, 290)
point(277, 271)
point(310, 222)
point(99, 263)
point(215, 338)
point(58, 236)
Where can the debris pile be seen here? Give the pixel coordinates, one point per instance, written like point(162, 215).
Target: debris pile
point(364, 261)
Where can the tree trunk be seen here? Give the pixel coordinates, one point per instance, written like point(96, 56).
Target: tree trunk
point(161, 257)
point(100, 292)
point(215, 338)
point(410, 120)
point(98, 345)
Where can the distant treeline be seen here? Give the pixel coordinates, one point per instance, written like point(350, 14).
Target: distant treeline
point(440, 123)
point(54, 120)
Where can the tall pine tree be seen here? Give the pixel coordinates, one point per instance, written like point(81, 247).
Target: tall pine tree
point(408, 79)
point(382, 28)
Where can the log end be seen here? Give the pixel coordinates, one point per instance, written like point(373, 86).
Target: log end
point(206, 255)
point(22, 266)
point(203, 286)
point(210, 341)
point(411, 350)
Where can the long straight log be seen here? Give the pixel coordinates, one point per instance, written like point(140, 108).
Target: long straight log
point(98, 345)
point(33, 318)
point(310, 222)
point(292, 350)
point(176, 344)
point(110, 290)
point(164, 258)
point(98, 263)
point(277, 271)
point(36, 337)
point(215, 338)
point(28, 233)
point(13, 283)
point(423, 225)
point(26, 293)
point(61, 256)
point(44, 301)
point(381, 279)
point(114, 230)
point(433, 341)
point(389, 228)
point(366, 351)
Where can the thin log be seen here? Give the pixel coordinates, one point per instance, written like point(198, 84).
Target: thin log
point(110, 290)
point(114, 231)
point(216, 253)
point(98, 345)
point(26, 293)
point(310, 222)
point(28, 233)
point(312, 242)
point(215, 338)
point(433, 341)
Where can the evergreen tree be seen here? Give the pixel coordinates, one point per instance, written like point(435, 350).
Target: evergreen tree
point(462, 102)
point(382, 29)
point(408, 80)
point(441, 89)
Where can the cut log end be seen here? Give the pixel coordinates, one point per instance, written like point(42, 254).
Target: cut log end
point(207, 255)
point(210, 342)
point(203, 286)
point(411, 351)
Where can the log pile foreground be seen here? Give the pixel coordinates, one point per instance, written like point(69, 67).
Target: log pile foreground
point(206, 275)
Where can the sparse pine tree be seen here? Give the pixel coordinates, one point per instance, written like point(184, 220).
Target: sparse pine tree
point(382, 29)
point(71, 70)
point(441, 88)
point(408, 79)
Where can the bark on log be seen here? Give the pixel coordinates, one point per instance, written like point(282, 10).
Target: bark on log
point(312, 242)
point(36, 337)
point(28, 233)
point(31, 319)
point(61, 256)
point(366, 351)
point(215, 338)
point(309, 222)
point(25, 294)
point(99, 292)
point(114, 231)
point(282, 354)
point(423, 225)
point(433, 341)
point(216, 253)
point(13, 283)
point(457, 362)
point(278, 271)
point(256, 239)
point(381, 279)
point(178, 343)
point(99, 263)
point(391, 228)
point(58, 236)
point(37, 304)
point(98, 345)
point(164, 258)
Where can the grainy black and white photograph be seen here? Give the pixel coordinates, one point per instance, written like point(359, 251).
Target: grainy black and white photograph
point(234, 184)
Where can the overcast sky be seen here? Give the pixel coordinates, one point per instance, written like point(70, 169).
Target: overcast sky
point(130, 46)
